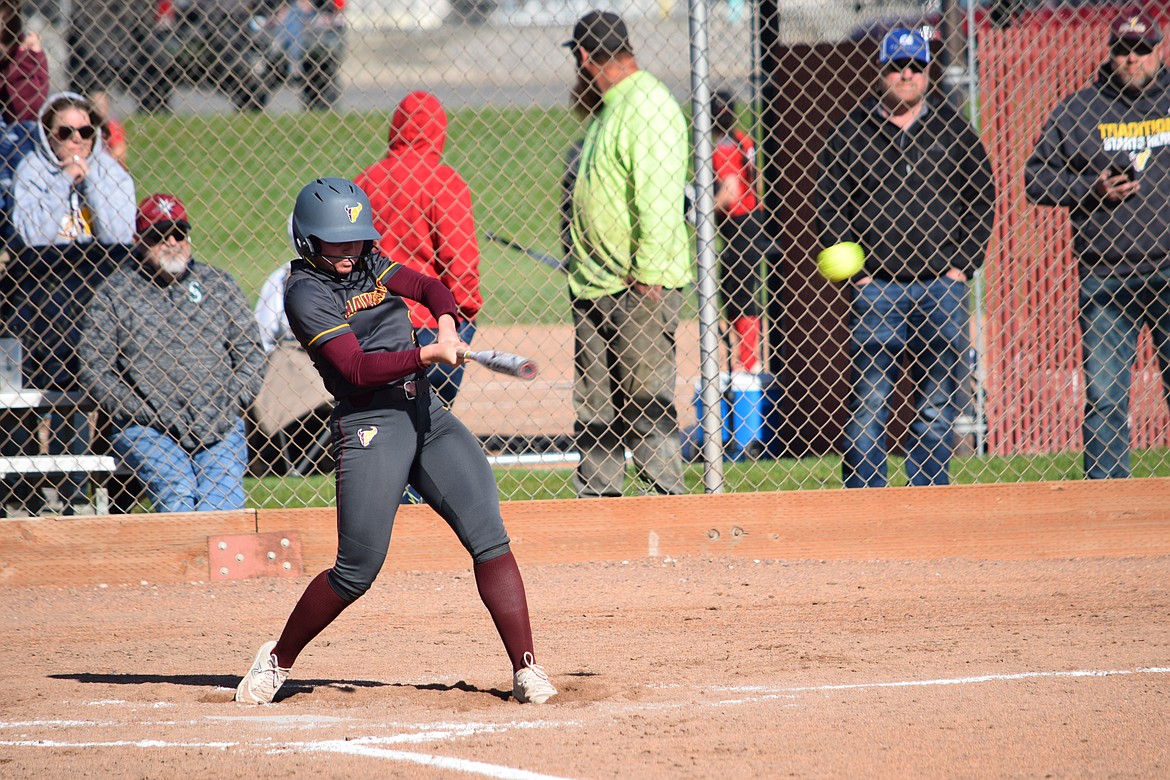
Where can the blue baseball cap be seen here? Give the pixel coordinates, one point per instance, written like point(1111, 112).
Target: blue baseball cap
point(903, 44)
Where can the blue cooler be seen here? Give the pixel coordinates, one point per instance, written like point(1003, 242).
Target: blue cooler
point(744, 410)
point(749, 413)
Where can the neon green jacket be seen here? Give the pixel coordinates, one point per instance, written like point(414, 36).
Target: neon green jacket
point(628, 199)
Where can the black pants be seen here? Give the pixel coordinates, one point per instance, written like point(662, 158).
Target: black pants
point(379, 448)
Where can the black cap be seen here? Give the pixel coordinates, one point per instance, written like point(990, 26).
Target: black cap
point(722, 99)
point(600, 32)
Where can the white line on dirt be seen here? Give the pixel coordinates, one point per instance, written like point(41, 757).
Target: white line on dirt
point(142, 743)
point(374, 747)
point(425, 759)
point(946, 681)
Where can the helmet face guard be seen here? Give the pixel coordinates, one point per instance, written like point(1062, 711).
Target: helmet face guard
point(335, 211)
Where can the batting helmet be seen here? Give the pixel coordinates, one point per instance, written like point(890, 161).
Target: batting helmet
point(333, 210)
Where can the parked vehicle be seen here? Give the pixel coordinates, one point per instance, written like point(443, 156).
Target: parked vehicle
point(209, 44)
point(246, 51)
point(306, 49)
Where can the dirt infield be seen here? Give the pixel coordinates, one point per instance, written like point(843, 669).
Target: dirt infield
point(682, 668)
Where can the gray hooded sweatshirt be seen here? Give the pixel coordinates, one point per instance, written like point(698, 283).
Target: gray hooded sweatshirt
point(45, 199)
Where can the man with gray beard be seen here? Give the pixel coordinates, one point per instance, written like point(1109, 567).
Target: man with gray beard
point(171, 352)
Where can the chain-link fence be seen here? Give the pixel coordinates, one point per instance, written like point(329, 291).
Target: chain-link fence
point(1011, 228)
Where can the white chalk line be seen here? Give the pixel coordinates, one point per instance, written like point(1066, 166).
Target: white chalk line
point(139, 743)
point(373, 747)
point(427, 759)
point(982, 678)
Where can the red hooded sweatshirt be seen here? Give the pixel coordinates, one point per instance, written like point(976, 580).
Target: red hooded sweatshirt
point(422, 207)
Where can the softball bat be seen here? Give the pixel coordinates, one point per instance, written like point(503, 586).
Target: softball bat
point(505, 363)
point(540, 257)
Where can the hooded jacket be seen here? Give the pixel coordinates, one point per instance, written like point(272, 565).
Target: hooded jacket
point(45, 199)
point(1099, 127)
point(919, 201)
point(422, 208)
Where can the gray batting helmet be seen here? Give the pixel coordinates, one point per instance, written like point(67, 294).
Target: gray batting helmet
point(333, 210)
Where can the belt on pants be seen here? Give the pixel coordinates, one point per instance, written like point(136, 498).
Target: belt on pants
point(406, 390)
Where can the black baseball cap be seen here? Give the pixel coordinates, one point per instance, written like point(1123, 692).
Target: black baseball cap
point(600, 32)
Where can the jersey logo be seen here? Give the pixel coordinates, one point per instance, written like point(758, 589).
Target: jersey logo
point(1141, 159)
point(366, 300)
point(352, 212)
point(366, 435)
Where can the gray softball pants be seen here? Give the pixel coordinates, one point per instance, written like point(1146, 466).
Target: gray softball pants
point(382, 445)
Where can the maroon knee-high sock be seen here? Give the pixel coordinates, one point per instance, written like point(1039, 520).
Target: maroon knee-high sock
point(502, 591)
point(319, 606)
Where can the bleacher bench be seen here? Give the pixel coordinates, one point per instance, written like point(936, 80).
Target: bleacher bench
point(98, 467)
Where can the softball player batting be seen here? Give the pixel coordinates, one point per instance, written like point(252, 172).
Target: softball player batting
point(345, 305)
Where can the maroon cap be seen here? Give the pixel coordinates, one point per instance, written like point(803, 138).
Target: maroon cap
point(1134, 27)
point(158, 208)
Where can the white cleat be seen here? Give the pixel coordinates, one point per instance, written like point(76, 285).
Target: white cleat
point(530, 684)
point(263, 680)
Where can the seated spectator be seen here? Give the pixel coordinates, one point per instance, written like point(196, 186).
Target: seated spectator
point(72, 190)
point(73, 219)
point(24, 86)
point(73, 214)
point(170, 351)
point(269, 314)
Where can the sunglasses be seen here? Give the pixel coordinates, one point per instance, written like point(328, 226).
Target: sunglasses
point(1124, 49)
point(65, 132)
point(158, 234)
point(915, 66)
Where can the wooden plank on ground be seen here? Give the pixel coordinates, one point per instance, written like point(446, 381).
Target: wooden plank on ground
point(992, 522)
point(113, 548)
point(982, 522)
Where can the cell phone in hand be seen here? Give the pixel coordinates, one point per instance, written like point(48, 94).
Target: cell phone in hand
point(1125, 169)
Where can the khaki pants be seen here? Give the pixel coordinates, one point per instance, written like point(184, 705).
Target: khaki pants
point(623, 392)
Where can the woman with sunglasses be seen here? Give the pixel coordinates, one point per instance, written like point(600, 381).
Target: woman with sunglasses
point(72, 190)
point(73, 214)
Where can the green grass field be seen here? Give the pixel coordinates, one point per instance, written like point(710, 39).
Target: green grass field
point(756, 476)
point(239, 173)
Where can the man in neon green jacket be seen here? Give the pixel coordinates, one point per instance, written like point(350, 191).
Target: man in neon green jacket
point(630, 262)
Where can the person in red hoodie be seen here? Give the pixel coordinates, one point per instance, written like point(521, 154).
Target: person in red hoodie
point(422, 209)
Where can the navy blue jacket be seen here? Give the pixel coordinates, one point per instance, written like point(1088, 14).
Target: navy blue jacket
point(1089, 131)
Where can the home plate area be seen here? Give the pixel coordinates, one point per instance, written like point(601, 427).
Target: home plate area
point(667, 667)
